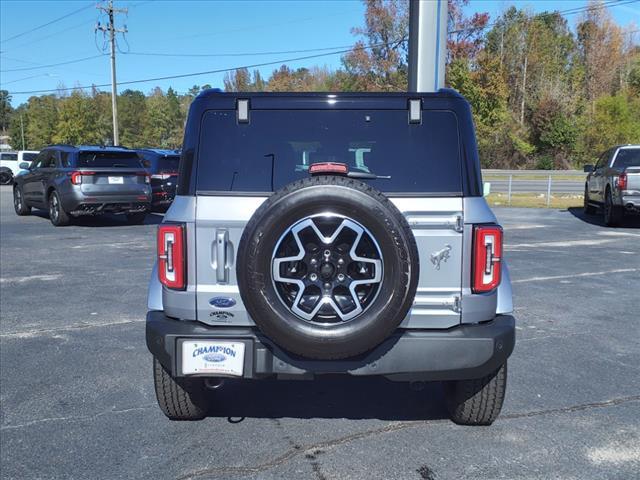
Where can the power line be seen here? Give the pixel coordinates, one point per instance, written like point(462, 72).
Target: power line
point(77, 60)
point(237, 54)
point(48, 23)
point(58, 32)
point(209, 72)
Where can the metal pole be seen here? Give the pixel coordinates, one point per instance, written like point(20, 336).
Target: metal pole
point(549, 192)
point(22, 131)
point(509, 194)
point(114, 88)
point(427, 44)
point(111, 28)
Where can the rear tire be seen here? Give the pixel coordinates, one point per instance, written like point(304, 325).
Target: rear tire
point(57, 215)
point(477, 401)
point(136, 218)
point(179, 398)
point(6, 177)
point(18, 202)
point(612, 213)
point(588, 208)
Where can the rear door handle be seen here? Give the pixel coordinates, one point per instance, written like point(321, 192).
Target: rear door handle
point(222, 237)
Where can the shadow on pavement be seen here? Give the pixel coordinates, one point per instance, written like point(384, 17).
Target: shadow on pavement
point(629, 221)
point(103, 220)
point(327, 397)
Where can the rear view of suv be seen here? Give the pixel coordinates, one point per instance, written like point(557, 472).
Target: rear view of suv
point(162, 166)
point(321, 234)
point(72, 181)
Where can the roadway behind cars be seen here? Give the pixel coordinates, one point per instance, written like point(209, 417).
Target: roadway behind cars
point(77, 397)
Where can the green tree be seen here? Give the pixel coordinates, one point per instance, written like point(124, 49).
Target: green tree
point(615, 121)
point(78, 121)
point(42, 121)
point(5, 109)
point(165, 124)
point(132, 118)
point(18, 127)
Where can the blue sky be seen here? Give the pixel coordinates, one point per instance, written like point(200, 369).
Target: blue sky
point(194, 28)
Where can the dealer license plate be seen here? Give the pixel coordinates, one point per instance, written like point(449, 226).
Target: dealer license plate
point(119, 180)
point(212, 357)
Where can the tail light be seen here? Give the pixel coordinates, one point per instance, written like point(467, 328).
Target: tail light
point(622, 181)
point(487, 255)
point(164, 175)
point(145, 175)
point(171, 256)
point(76, 177)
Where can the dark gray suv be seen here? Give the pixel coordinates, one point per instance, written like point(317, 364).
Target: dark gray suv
point(72, 181)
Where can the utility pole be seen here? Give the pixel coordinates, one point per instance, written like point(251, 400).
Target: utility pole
point(22, 131)
point(112, 30)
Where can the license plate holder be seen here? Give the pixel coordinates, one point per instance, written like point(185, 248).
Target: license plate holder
point(213, 357)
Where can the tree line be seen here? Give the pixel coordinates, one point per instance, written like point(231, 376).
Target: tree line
point(543, 95)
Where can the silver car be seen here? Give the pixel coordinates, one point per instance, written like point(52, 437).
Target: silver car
point(321, 234)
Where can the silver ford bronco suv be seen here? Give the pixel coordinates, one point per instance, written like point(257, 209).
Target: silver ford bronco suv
point(318, 233)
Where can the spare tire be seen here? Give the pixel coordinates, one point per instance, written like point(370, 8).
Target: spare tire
point(327, 267)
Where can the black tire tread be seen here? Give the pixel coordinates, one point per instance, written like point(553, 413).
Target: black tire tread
point(589, 209)
point(25, 210)
point(477, 401)
point(64, 218)
point(179, 399)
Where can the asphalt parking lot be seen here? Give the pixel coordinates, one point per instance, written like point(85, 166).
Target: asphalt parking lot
point(77, 397)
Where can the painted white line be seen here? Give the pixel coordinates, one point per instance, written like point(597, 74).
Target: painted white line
point(616, 453)
point(619, 234)
point(575, 275)
point(32, 278)
point(564, 243)
point(52, 331)
point(523, 226)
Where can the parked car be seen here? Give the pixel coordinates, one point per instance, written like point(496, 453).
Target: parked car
point(613, 184)
point(343, 234)
point(10, 161)
point(162, 166)
point(73, 181)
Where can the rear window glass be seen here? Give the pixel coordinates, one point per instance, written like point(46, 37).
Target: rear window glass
point(168, 164)
point(627, 157)
point(419, 158)
point(108, 160)
point(11, 157)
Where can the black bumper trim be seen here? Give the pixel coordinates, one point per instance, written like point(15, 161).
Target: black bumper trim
point(462, 352)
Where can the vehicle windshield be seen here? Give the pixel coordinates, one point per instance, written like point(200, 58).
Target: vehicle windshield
point(627, 157)
point(168, 164)
point(9, 156)
point(29, 157)
point(97, 159)
point(277, 147)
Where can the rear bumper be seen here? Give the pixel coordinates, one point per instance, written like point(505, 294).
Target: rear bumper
point(631, 203)
point(462, 352)
point(79, 203)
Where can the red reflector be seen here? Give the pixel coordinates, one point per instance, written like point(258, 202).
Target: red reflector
point(142, 197)
point(171, 256)
point(622, 181)
point(328, 167)
point(487, 257)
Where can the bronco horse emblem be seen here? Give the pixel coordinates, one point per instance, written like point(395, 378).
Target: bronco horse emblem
point(441, 256)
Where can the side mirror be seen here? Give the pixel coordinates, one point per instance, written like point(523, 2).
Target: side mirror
point(25, 166)
point(588, 168)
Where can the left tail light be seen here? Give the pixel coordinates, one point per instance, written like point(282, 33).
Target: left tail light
point(76, 177)
point(171, 256)
point(622, 181)
point(487, 258)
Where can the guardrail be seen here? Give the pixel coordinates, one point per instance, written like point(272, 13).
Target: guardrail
point(541, 182)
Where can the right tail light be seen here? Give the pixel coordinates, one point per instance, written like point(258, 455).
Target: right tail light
point(171, 256)
point(487, 258)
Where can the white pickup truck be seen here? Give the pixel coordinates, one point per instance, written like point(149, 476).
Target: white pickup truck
point(10, 164)
point(614, 184)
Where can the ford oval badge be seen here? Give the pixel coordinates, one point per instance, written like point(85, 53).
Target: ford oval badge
point(222, 302)
point(215, 357)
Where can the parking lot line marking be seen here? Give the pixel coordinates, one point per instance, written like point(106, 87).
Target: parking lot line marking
point(523, 226)
point(564, 243)
point(32, 278)
point(80, 326)
point(585, 274)
point(615, 454)
point(619, 234)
